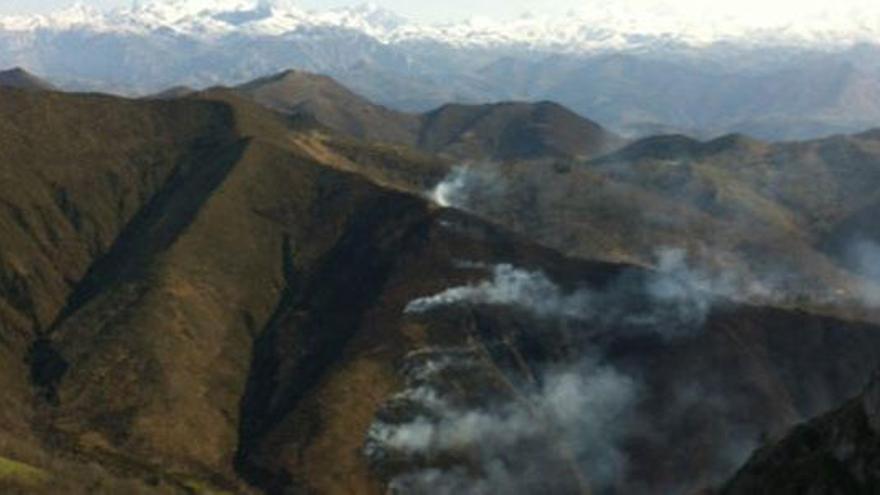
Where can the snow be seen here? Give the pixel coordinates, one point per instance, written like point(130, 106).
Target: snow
point(605, 25)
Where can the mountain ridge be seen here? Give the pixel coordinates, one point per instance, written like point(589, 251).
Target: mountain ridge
point(494, 131)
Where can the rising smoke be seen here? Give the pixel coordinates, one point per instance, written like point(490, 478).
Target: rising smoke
point(677, 298)
point(515, 287)
point(584, 409)
point(577, 416)
point(533, 201)
point(864, 258)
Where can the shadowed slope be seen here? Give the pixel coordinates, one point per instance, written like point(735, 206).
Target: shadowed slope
point(22, 79)
point(834, 454)
point(507, 131)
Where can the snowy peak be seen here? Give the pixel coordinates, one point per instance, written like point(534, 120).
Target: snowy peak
point(605, 25)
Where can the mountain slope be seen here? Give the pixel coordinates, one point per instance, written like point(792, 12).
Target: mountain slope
point(504, 131)
point(513, 131)
point(333, 105)
point(199, 294)
point(99, 163)
point(21, 79)
point(835, 453)
point(739, 207)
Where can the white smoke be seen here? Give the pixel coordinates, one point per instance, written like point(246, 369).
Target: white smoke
point(466, 185)
point(582, 410)
point(678, 297)
point(511, 286)
point(447, 192)
point(864, 256)
point(589, 409)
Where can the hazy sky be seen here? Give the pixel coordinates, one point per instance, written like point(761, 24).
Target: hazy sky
point(433, 10)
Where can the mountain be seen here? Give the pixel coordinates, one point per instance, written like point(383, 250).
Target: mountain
point(333, 105)
point(781, 223)
point(835, 453)
point(603, 26)
point(173, 92)
point(777, 81)
point(513, 130)
point(503, 131)
point(203, 295)
point(21, 79)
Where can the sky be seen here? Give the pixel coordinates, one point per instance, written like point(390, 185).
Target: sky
point(446, 10)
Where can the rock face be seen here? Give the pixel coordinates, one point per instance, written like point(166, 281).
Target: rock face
point(835, 454)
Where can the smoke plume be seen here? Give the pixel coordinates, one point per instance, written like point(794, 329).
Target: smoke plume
point(675, 298)
point(466, 186)
point(864, 257)
point(577, 415)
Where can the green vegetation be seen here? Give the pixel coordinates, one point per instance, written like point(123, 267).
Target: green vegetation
point(15, 472)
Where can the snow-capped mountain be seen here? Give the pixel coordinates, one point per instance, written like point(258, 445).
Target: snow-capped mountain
point(788, 72)
point(602, 25)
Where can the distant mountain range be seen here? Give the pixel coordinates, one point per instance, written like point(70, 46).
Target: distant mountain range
point(777, 82)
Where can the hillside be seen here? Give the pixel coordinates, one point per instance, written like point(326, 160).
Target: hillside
point(835, 453)
point(781, 222)
point(333, 105)
point(513, 131)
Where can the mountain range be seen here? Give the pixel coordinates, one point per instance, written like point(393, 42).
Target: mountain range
point(283, 287)
point(499, 131)
point(788, 80)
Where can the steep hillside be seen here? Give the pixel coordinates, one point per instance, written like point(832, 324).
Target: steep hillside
point(836, 453)
point(777, 221)
point(77, 171)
